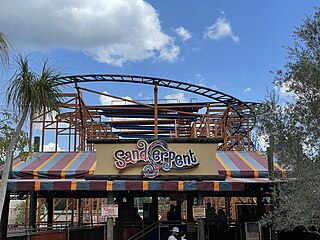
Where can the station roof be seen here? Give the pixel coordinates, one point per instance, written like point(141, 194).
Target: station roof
point(67, 171)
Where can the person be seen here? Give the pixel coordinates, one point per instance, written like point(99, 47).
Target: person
point(174, 234)
point(211, 215)
point(183, 235)
point(136, 216)
point(221, 218)
point(171, 213)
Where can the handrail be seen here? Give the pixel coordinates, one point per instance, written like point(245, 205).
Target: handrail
point(145, 231)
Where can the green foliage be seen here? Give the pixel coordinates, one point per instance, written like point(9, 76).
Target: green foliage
point(295, 127)
point(4, 49)
point(38, 93)
point(8, 123)
point(21, 208)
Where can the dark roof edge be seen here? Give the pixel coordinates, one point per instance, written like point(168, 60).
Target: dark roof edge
point(168, 140)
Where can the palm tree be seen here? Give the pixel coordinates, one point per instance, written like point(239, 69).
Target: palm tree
point(28, 93)
point(4, 49)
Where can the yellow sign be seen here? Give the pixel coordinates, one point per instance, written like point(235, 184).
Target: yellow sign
point(154, 158)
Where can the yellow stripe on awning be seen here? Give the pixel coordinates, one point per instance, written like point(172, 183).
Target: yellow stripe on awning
point(255, 171)
point(228, 173)
point(145, 185)
point(93, 167)
point(37, 185)
point(280, 168)
point(109, 185)
point(216, 186)
point(180, 185)
point(275, 164)
point(63, 171)
point(73, 185)
point(35, 172)
point(22, 161)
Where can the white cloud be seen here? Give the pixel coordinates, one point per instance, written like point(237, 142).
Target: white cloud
point(183, 33)
point(106, 100)
point(248, 89)
point(112, 31)
point(175, 97)
point(50, 147)
point(220, 30)
point(283, 90)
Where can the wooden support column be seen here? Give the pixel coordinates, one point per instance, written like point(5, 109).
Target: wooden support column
point(72, 211)
point(156, 111)
point(155, 202)
point(50, 213)
point(189, 207)
point(79, 211)
point(4, 217)
point(31, 132)
point(110, 220)
point(33, 209)
point(201, 231)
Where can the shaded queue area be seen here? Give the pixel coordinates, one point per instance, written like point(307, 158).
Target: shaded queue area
point(85, 212)
point(104, 189)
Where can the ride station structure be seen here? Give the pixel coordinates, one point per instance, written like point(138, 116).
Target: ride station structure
point(144, 154)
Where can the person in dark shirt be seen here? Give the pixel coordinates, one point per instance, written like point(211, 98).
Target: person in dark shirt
point(211, 215)
point(171, 213)
point(136, 216)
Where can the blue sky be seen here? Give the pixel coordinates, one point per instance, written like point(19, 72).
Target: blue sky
point(228, 45)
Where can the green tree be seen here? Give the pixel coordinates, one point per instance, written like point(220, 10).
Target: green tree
point(4, 49)
point(7, 129)
point(295, 127)
point(28, 93)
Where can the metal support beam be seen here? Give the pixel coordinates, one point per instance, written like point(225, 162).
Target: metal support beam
point(156, 111)
point(33, 209)
point(110, 220)
point(50, 213)
point(201, 227)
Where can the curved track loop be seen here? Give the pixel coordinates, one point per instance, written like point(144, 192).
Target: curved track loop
point(246, 115)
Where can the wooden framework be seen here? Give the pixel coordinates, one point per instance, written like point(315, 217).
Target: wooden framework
point(228, 118)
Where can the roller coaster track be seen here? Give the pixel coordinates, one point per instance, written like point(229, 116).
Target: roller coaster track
point(246, 115)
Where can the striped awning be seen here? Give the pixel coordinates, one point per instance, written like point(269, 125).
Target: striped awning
point(76, 165)
point(244, 164)
point(55, 165)
point(230, 185)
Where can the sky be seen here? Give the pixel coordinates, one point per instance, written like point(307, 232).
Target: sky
point(231, 46)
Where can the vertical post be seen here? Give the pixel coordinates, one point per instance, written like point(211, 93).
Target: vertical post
point(43, 130)
point(79, 211)
point(57, 132)
point(30, 133)
point(72, 211)
point(248, 136)
point(189, 208)
point(270, 158)
point(155, 111)
point(155, 203)
point(50, 213)
point(201, 232)
point(26, 210)
point(4, 217)
point(110, 220)
point(33, 209)
point(36, 143)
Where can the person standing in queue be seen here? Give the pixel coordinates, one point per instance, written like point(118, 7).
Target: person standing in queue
point(174, 234)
